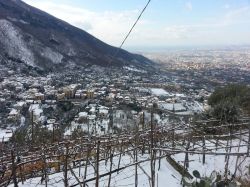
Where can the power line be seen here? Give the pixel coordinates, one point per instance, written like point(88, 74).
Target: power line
point(138, 18)
point(135, 23)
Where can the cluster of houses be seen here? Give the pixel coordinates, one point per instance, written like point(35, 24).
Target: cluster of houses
point(101, 94)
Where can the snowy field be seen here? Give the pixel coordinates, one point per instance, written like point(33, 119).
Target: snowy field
point(159, 92)
point(165, 176)
point(126, 177)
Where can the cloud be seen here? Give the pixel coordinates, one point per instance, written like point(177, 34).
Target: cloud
point(189, 6)
point(226, 6)
point(229, 28)
point(109, 26)
point(240, 15)
point(177, 32)
point(112, 26)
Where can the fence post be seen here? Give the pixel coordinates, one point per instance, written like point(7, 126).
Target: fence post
point(111, 164)
point(248, 147)
point(14, 169)
point(97, 164)
point(151, 151)
point(66, 166)
point(203, 148)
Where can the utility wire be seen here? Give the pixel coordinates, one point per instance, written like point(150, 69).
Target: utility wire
point(143, 10)
point(134, 24)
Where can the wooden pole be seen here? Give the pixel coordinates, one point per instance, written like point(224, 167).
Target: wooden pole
point(14, 169)
point(97, 164)
point(143, 129)
point(143, 120)
point(45, 168)
point(151, 151)
point(32, 127)
point(80, 162)
point(203, 148)
point(53, 133)
point(136, 157)
point(248, 147)
point(161, 142)
point(237, 159)
point(173, 136)
point(86, 166)
point(21, 174)
point(228, 151)
point(186, 162)
point(66, 166)
point(111, 164)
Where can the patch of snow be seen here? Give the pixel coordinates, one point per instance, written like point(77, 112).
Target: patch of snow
point(37, 112)
point(166, 175)
point(22, 123)
point(172, 106)
point(103, 111)
point(5, 135)
point(20, 103)
point(83, 114)
point(55, 57)
point(23, 22)
point(13, 112)
point(12, 38)
point(133, 69)
point(159, 92)
point(217, 162)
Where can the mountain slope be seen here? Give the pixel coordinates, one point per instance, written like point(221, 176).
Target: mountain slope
point(32, 37)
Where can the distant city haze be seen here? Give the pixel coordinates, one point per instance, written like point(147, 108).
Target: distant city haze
point(164, 24)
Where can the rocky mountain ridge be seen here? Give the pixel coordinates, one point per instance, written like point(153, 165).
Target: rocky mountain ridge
point(32, 38)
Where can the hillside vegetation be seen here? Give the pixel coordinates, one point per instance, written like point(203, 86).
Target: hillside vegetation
point(230, 100)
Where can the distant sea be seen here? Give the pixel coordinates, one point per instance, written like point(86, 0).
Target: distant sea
point(161, 49)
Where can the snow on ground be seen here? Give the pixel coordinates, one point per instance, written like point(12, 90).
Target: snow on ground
point(166, 175)
point(173, 106)
point(185, 113)
point(99, 127)
point(5, 135)
point(22, 121)
point(159, 92)
point(12, 37)
point(36, 109)
point(195, 106)
point(217, 162)
point(13, 112)
point(133, 69)
point(37, 112)
point(55, 57)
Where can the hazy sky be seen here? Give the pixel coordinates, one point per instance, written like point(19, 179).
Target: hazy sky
point(164, 23)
